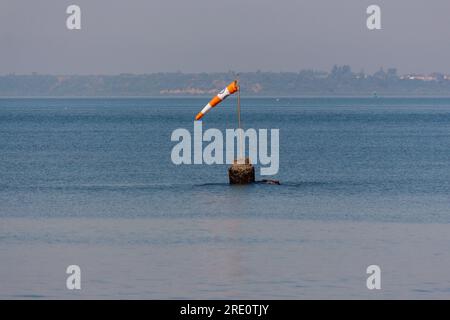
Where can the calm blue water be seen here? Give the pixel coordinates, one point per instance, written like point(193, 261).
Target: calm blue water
point(340, 159)
point(91, 182)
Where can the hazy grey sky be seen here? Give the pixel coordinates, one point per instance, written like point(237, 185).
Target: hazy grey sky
point(144, 36)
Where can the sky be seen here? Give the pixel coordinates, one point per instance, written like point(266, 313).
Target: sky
point(147, 36)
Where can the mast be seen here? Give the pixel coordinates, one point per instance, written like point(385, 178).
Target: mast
point(241, 142)
point(241, 171)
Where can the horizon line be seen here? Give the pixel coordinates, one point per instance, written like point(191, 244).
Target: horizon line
point(35, 73)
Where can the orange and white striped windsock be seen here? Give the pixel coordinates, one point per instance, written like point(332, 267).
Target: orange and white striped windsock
point(229, 90)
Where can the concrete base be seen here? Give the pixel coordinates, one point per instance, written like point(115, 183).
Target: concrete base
point(241, 173)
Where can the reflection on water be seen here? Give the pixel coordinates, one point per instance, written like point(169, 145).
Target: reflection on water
point(221, 258)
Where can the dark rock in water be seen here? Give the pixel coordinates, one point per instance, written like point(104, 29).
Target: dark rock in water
point(268, 181)
point(244, 173)
point(241, 173)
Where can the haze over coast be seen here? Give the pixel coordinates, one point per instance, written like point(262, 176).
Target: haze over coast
point(339, 81)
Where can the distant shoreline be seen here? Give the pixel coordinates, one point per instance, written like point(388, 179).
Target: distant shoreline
point(341, 81)
point(244, 97)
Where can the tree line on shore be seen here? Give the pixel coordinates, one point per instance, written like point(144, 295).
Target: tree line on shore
point(341, 80)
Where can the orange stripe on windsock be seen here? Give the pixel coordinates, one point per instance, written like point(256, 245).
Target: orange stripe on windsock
point(215, 101)
point(199, 116)
point(233, 87)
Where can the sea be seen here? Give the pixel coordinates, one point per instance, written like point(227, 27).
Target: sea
point(91, 182)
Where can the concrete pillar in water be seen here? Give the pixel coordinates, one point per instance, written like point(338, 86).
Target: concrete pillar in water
point(241, 173)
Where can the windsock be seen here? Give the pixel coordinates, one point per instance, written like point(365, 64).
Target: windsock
point(230, 89)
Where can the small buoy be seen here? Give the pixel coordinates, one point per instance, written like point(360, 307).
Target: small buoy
point(241, 173)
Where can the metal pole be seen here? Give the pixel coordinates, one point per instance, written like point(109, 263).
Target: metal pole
point(241, 143)
point(239, 107)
